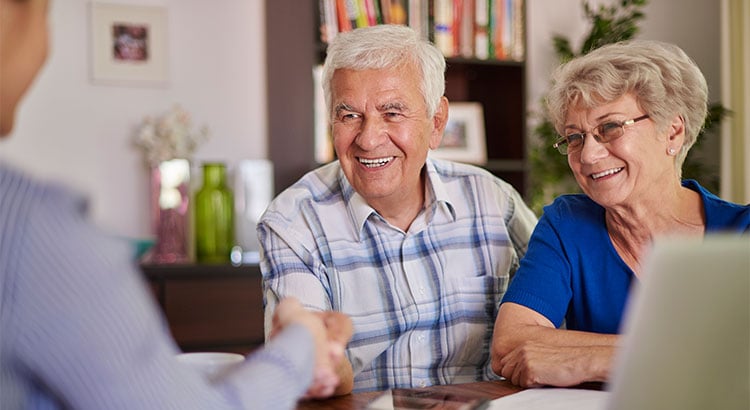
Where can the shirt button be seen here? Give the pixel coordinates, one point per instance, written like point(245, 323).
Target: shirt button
point(423, 384)
point(421, 291)
point(421, 338)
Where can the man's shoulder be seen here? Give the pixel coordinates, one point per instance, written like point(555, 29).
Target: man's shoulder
point(450, 171)
point(319, 187)
point(459, 169)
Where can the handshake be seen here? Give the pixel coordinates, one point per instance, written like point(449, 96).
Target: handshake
point(331, 332)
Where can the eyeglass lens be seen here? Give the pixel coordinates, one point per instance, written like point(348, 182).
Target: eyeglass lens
point(603, 133)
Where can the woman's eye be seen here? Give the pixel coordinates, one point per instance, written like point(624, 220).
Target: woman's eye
point(574, 139)
point(608, 127)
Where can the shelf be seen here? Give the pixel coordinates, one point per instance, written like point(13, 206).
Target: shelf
point(210, 307)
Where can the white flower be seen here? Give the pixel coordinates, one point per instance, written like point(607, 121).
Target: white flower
point(169, 136)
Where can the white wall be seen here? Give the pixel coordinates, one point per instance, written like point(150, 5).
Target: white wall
point(70, 130)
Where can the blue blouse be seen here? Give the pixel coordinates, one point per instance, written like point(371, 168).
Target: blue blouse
point(572, 271)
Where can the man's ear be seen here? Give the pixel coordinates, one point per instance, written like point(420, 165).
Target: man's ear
point(440, 120)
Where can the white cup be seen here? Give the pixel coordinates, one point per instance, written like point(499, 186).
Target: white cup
point(210, 364)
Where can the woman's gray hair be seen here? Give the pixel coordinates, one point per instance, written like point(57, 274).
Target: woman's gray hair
point(663, 79)
point(387, 46)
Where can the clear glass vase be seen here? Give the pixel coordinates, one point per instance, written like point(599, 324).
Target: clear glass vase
point(170, 199)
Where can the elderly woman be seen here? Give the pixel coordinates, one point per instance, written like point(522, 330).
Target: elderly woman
point(627, 114)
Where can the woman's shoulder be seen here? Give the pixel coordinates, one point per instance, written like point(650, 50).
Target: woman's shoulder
point(572, 205)
point(574, 214)
point(720, 213)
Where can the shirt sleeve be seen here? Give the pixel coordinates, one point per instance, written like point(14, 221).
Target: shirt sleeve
point(86, 328)
point(521, 223)
point(542, 282)
point(290, 268)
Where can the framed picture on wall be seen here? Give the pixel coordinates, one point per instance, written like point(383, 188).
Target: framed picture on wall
point(463, 139)
point(128, 44)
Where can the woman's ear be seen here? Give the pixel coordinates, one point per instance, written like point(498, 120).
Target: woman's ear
point(440, 120)
point(676, 131)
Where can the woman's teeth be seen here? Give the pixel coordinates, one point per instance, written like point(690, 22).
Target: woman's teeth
point(374, 163)
point(605, 173)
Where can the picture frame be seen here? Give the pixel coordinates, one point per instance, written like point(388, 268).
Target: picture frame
point(324, 152)
point(128, 44)
point(464, 136)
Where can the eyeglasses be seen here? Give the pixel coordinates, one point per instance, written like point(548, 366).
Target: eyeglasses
point(602, 133)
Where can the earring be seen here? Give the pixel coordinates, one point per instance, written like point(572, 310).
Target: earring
point(672, 151)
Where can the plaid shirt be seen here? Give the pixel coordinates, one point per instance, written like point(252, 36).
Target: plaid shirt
point(423, 302)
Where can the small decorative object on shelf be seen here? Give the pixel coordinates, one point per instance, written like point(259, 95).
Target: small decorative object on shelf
point(214, 216)
point(168, 143)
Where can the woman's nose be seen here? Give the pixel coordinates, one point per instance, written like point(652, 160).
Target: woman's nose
point(592, 149)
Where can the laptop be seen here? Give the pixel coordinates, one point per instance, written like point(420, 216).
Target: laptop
point(686, 334)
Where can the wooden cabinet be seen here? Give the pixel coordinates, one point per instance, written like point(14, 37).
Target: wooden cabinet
point(292, 49)
point(210, 307)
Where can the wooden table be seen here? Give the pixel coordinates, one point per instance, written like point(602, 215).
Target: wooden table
point(486, 390)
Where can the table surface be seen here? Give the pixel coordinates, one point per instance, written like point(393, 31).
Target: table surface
point(486, 390)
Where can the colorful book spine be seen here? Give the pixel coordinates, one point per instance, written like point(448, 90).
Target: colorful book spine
point(443, 29)
point(466, 31)
point(481, 29)
point(343, 16)
point(518, 48)
point(329, 26)
point(360, 15)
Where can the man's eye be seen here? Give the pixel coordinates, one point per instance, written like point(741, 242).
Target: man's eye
point(346, 117)
point(392, 115)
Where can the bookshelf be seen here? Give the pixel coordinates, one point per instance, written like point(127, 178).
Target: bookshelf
point(293, 48)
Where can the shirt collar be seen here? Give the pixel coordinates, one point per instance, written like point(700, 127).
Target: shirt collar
point(436, 198)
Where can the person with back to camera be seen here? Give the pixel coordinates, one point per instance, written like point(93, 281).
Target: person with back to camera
point(418, 252)
point(78, 327)
point(628, 114)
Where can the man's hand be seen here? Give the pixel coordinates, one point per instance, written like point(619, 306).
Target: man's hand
point(331, 332)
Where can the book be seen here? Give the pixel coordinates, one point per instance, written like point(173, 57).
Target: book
point(329, 25)
point(481, 29)
point(419, 17)
point(518, 43)
point(343, 16)
point(443, 27)
point(466, 29)
point(360, 16)
point(351, 10)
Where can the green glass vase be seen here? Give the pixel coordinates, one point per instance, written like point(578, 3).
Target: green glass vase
point(214, 216)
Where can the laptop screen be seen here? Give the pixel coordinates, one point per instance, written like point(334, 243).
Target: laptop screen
point(686, 331)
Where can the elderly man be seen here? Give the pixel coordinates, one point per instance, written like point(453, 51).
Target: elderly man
point(417, 251)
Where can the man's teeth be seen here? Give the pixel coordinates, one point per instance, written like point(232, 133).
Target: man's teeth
point(605, 173)
point(374, 163)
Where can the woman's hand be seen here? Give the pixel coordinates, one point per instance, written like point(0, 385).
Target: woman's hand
point(535, 364)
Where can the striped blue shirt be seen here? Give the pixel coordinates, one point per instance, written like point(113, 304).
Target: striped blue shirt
point(423, 302)
point(78, 328)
